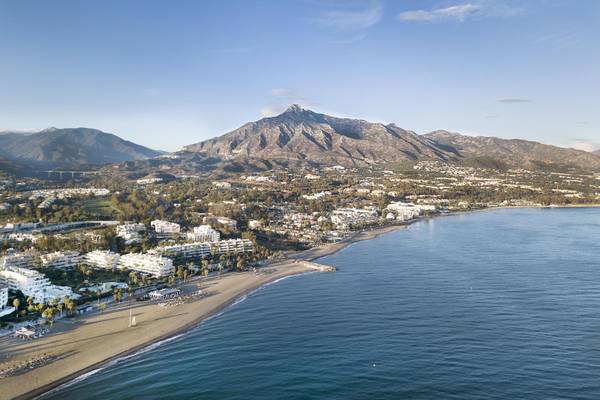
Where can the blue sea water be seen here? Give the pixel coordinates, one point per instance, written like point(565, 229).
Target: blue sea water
point(493, 305)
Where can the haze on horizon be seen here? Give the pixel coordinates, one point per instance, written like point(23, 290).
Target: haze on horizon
point(168, 74)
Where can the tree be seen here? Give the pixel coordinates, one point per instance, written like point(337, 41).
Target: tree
point(241, 263)
point(71, 306)
point(49, 315)
point(16, 303)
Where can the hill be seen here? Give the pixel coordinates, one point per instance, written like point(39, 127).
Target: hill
point(514, 152)
point(71, 146)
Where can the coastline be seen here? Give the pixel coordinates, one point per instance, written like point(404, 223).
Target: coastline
point(98, 339)
point(234, 286)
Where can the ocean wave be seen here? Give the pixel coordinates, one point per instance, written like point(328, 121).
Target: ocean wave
point(155, 345)
point(110, 363)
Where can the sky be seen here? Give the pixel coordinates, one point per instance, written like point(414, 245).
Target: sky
point(166, 74)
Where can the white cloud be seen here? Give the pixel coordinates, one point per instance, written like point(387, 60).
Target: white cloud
point(514, 100)
point(459, 12)
point(584, 144)
point(350, 17)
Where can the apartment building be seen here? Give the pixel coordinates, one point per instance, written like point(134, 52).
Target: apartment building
point(130, 232)
point(344, 217)
point(204, 233)
point(5, 309)
point(206, 249)
point(165, 229)
point(103, 259)
point(33, 283)
point(150, 264)
point(61, 259)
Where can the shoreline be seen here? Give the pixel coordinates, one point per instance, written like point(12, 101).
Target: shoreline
point(296, 263)
point(235, 287)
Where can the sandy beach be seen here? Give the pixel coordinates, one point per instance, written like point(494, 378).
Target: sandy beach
point(82, 344)
point(77, 346)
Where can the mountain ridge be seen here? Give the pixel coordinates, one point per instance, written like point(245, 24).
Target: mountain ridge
point(56, 147)
point(300, 137)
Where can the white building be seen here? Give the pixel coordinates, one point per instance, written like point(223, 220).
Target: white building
point(34, 284)
point(165, 228)
point(224, 221)
point(222, 184)
point(5, 309)
point(103, 259)
point(254, 224)
point(61, 259)
point(206, 249)
point(204, 233)
point(151, 264)
point(344, 217)
point(404, 211)
point(408, 211)
point(130, 232)
point(23, 260)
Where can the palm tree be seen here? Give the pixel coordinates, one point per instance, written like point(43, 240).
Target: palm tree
point(241, 263)
point(71, 306)
point(16, 303)
point(49, 315)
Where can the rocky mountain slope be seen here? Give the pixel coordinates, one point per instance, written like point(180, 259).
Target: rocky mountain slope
point(73, 146)
point(514, 152)
point(304, 137)
point(300, 136)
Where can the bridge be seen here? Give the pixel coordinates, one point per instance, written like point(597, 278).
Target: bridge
point(60, 173)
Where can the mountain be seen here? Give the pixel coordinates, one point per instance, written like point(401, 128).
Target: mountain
point(299, 137)
point(302, 137)
point(67, 147)
point(514, 152)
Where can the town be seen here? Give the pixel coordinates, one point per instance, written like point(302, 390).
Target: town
point(86, 243)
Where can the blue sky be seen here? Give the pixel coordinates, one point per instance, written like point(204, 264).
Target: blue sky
point(170, 73)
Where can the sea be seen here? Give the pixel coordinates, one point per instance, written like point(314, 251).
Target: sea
point(501, 304)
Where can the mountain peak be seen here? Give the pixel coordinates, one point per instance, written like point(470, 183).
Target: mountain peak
point(294, 108)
